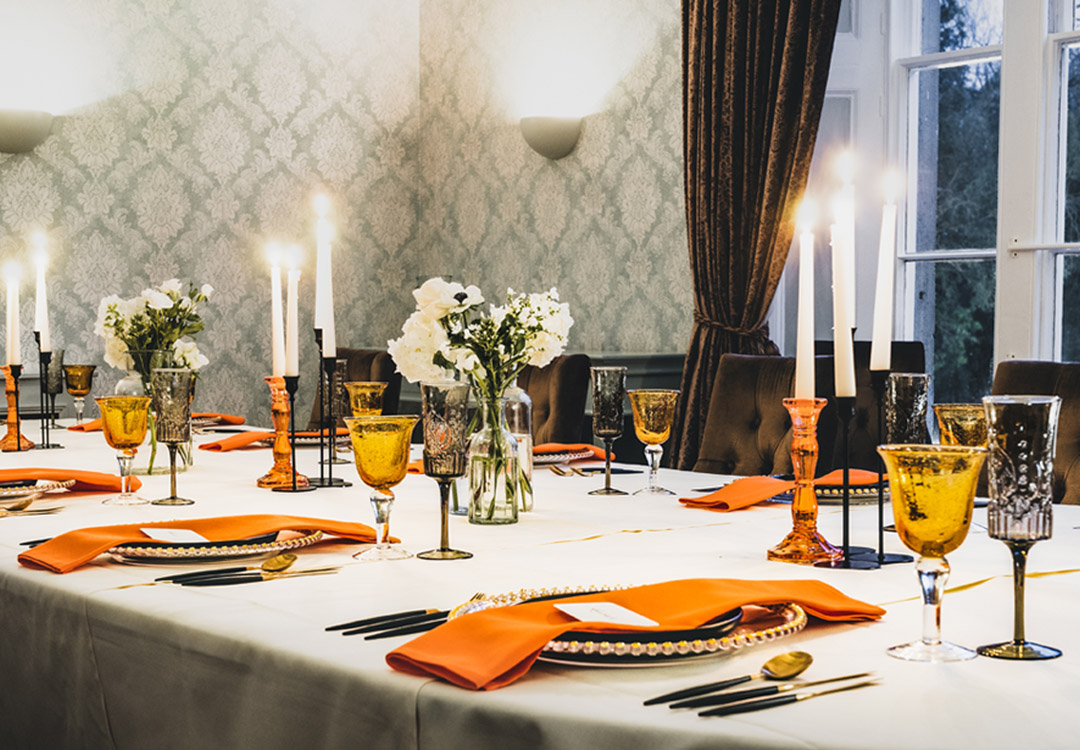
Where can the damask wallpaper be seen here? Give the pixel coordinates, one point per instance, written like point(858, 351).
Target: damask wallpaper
point(223, 118)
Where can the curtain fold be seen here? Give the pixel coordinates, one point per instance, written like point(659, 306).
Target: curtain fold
point(754, 75)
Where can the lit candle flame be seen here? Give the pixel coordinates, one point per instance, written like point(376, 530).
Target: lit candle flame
point(292, 257)
point(322, 205)
point(273, 254)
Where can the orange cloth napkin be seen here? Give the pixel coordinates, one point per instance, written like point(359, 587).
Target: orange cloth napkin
point(95, 424)
point(245, 439)
point(85, 481)
point(751, 490)
point(417, 466)
point(492, 648)
point(68, 551)
point(597, 452)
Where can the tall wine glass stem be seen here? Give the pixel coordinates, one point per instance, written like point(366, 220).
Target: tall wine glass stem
point(653, 454)
point(380, 504)
point(607, 464)
point(78, 409)
point(172, 470)
point(1019, 549)
point(124, 459)
point(933, 573)
point(444, 511)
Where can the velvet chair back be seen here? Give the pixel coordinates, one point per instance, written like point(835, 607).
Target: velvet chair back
point(747, 429)
point(1018, 377)
point(558, 394)
point(366, 364)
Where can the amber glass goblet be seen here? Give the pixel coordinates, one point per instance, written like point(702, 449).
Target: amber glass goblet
point(381, 451)
point(124, 421)
point(654, 413)
point(933, 493)
point(79, 379)
point(365, 397)
point(961, 424)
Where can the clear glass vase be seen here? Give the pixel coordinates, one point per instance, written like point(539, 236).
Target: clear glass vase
point(519, 421)
point(494, 470)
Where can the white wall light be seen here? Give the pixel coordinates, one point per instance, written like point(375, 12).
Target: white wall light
point(21, 130)
point(551, 137)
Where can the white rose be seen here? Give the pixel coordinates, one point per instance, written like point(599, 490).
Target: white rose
point(157, 300)
point(170, 286)
point(414, 351)
point(116, 354)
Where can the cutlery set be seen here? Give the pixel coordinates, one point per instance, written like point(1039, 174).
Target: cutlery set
point(569, 471)
point(397, 623)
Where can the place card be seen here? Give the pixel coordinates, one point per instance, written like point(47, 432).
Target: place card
point(609, 612)
point(174, 536)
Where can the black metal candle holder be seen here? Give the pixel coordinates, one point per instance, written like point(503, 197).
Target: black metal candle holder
point(16, 372)
point(327, 435)
point(878, 380)
point(44, 358)
point(292, 383)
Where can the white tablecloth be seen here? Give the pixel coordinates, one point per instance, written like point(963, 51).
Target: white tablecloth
point(86, 663)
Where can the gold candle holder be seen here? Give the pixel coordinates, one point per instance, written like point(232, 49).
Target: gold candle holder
point(281, 473)
point(804, 545)
point(14, 440)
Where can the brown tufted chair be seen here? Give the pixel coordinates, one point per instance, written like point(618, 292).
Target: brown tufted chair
point(907, 356)
point(747, 429)
point(1017, 377)
point(366, 364)
point(558, 394)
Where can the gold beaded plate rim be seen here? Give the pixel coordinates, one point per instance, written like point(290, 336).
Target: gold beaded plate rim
point(624, 654)
point(187, 553)
point(542, 459)
point(42, 485)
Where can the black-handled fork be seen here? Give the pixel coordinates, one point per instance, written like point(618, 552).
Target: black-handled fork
point(742, 695)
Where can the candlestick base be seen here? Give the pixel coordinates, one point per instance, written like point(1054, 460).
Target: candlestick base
point(281, 473)
point(14, 440)
point(804, 544)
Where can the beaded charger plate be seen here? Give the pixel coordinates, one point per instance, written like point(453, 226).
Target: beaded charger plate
point(165, 552)
point(560, 457)
point(858, 494)
point(18, 490)
point(310, 441)
point(722, 635)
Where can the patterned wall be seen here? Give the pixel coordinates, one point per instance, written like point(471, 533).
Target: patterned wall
point(606, 223)
point(226, 116)
point(230, 115)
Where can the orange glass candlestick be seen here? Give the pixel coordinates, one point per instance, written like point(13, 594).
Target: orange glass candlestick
point(281, 473)
point(804, 544)
point(14, 440)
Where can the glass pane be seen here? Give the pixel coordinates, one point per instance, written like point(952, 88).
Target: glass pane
point(956, 183)
point(1069, 270)
point(1072, 146)
point(954, 318)
point(960, 24)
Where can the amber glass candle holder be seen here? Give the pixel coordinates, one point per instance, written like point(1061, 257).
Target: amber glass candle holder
point(14, 440)
point(281, 473)
point(804, 544)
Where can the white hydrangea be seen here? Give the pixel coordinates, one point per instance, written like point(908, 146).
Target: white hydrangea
point(156, 300)
point(187, 354)
point(116, 353)
point(437, 298)
point(171, 286)
point(414, 351)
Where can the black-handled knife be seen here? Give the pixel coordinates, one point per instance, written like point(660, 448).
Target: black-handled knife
point(378, 619)
point(180, 577)
point(421, 628)
point(780, 700)
point(697, 690)
point(742, 695)
point(229, 580)
point(400, 622)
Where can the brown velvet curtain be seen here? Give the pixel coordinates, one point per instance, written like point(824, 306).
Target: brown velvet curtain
point(754, 74)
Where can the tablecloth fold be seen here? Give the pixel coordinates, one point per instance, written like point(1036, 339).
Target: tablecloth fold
point(492, 648)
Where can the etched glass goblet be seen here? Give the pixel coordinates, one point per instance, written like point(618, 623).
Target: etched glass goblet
point(907, 395)
point(933, 493)
point(609, 391)
point(654, 413)
point(54, 382)
point(79, 380)
point(1022, 440)
point(961, 424)
point(445, 424)
point(172, 405)
point(123, 421)
point(381, 451)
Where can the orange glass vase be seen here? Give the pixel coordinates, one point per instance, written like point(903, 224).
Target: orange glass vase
point(14, 440)
point(804, 544)
point(281, 473)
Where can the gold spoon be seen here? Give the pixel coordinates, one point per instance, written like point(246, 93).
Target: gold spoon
point(780, 667)
point(22, 503)
point(276, 564)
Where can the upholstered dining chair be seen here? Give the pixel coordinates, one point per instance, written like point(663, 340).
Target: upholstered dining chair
point(366, 364)
point(1026, 377)
point(907, 356)
point(747, 429)
point(558, 394)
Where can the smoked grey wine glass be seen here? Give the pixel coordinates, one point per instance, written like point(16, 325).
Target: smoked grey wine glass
point(609, 391)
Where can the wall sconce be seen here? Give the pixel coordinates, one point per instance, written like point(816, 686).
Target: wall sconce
point(552, 137)
point(22, 130)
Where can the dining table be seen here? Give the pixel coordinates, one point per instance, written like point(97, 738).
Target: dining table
point(98, 658)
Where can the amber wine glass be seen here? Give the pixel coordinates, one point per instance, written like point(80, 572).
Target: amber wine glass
point(124, 420)
point(933, 493)
point(961, 424)
point(654, 413)
point(79, 379)
point(381, 451)
point(365, 398)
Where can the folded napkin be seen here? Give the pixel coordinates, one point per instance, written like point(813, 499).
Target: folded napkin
point(750, 490)
point(95, 424)
point(68, 551)
point(244, 439)
point(85, 481)
point(416, 467)
point(492, 648)
point(597, 452)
